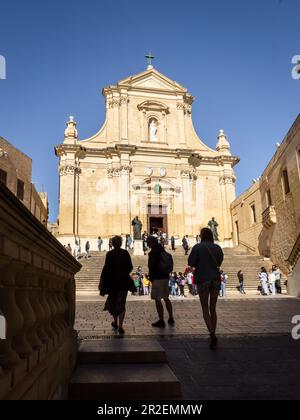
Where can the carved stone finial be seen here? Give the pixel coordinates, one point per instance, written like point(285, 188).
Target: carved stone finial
point(71, 130)
point(223, 146)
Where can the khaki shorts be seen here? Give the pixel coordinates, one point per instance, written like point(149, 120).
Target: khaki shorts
point(160, 289)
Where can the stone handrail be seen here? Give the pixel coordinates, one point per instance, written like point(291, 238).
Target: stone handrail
point(37, 299)
point(250, 248)
point(295, 254)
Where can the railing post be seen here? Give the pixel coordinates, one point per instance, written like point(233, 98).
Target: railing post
point(8, 355)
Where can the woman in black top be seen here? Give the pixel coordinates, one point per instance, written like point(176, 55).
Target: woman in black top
point(241, 281)
point(206, 259)
point(115, 282)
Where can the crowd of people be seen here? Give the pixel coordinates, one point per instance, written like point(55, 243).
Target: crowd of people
point(270, 282)
point(202, 277)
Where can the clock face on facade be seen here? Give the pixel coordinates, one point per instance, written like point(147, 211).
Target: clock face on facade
point(148, 171)
point(162, 172)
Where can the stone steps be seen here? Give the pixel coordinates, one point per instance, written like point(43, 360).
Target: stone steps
point(120, 351)
point(119, 369)
point(87, 279)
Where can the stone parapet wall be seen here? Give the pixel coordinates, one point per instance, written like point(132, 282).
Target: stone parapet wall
point(37, 301)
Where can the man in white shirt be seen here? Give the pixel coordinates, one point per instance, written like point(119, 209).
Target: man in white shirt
point(272, 280)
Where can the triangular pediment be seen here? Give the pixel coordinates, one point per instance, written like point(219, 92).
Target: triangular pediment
point(152, 79)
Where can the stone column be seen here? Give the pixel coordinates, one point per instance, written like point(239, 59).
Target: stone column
point(181, 123)
point(124, 205)
point(187, 195)
point(67, 212)
point(124, 119)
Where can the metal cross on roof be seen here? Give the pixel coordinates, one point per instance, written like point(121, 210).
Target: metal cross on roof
point(149, 57)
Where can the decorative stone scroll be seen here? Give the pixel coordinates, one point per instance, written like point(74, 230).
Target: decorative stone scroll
point(187, 108)
point(121, 170)
point(69, 170)
point(227, 180)
point(117, 102)
point(186, 174)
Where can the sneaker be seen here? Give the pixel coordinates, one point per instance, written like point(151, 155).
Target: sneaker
point(171, 321)
point(114, 325)
point(159, 324)
point(121, 331)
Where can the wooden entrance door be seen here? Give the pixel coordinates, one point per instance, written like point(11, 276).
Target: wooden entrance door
point(157, 219)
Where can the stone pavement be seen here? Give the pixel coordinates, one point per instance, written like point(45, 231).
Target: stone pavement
point(251, 315)
point(256, 357)
point(243, 367)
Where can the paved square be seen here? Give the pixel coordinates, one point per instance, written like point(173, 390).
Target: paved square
point(256, 357)
point(246, 316)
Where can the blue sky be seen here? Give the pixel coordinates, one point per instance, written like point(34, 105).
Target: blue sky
point(234, 56)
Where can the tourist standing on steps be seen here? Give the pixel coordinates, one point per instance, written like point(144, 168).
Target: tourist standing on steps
point(240, 276)
point(115, 281)
point(272, 281)
point(100, 242)
point(87, 249)
point(144, 239)
point(173, 243)
point(277, 273)
point(160, 264)
point(185, 244)
point(224, 278)
point(206, 259)
point(263, 277)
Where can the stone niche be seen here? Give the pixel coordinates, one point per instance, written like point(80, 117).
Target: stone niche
point(153, 121)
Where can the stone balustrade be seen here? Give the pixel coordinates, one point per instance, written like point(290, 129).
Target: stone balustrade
point(294, 274)
point(37, 299)
point(294, 256)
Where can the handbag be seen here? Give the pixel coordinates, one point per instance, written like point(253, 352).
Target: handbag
point(216, 262)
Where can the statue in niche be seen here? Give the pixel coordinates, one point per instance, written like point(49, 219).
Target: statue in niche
point(153, 130)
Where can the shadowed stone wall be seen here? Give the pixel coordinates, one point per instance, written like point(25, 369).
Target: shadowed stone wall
point(37, 299)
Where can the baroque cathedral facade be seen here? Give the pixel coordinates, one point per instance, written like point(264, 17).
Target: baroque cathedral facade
point(147, 161)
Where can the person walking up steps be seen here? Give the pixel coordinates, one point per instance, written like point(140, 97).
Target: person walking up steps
point(160, 264)
point(115, 282)
point(206, 259)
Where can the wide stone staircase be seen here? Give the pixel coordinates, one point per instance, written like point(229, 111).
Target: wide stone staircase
point(235, 259)
point(121, 369)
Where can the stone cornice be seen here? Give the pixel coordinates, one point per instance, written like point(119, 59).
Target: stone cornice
point(118, 149)
point(153, 105)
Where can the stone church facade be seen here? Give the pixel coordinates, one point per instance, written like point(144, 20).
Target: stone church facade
point(148, 161)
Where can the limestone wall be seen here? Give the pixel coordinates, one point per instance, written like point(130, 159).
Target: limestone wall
point(18, 166)
point(246, 228)
point(277, 202)
point(37, 299)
